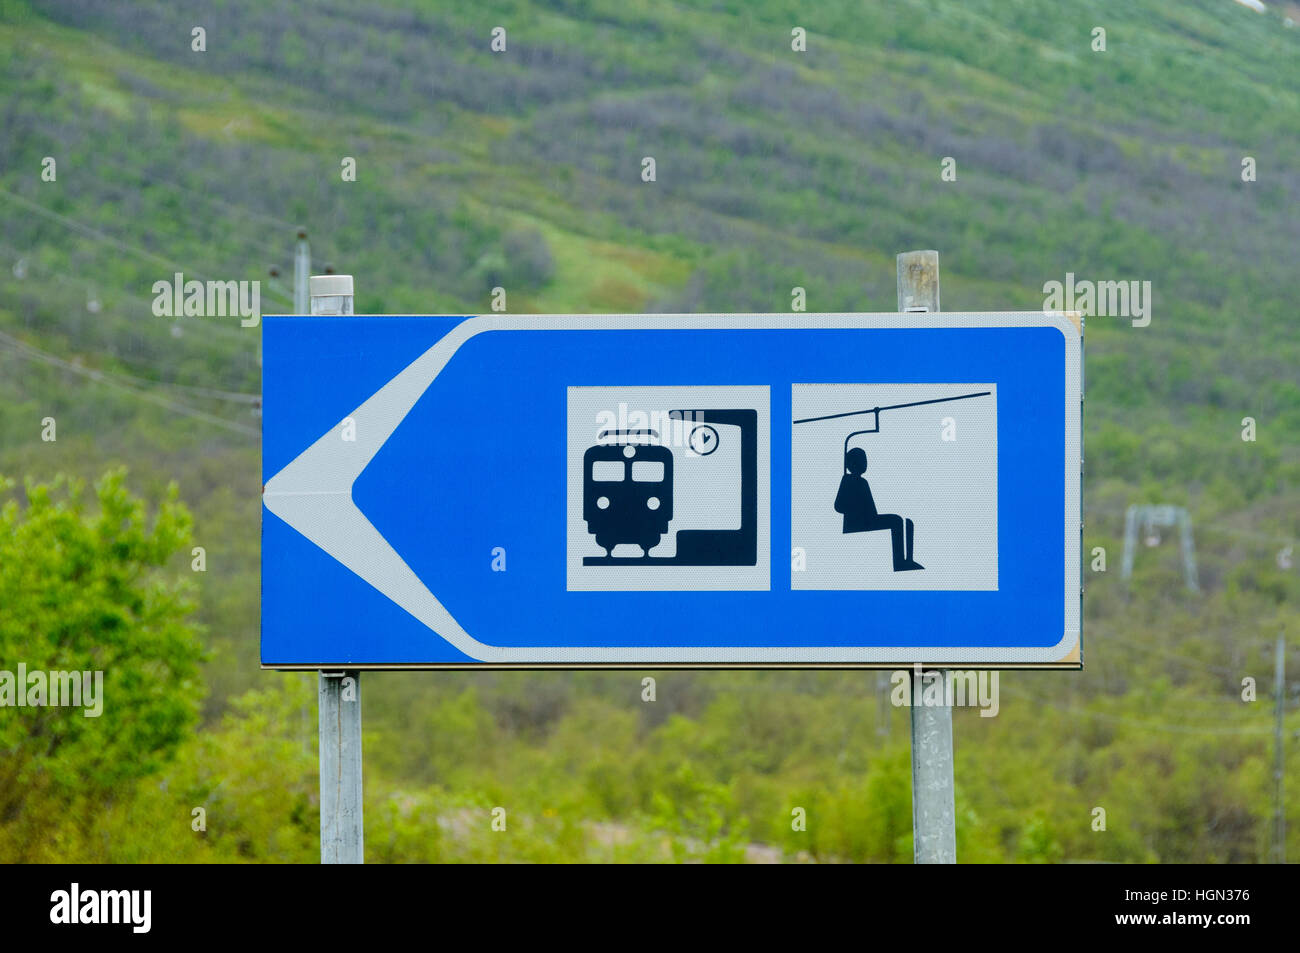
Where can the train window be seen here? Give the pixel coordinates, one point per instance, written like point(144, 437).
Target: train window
point(648, 471)
point(607, 471)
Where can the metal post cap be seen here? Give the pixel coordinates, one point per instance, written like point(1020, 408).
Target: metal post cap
point(328, 285)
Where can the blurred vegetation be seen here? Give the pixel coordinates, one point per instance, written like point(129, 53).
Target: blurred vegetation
point(86, 594)
point(775, 169)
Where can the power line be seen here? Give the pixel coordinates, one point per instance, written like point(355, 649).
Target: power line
point(1148, 725)
point(1245, 534)
point(191, 195)
point(25, 350)
point(66, 281)
point(228, 395)
point(95, 233)
point(1152, 650)
point(154, 177)
point(239, 397)
point(208, 327)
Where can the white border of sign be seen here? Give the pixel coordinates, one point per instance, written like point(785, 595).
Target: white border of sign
point(313, 494)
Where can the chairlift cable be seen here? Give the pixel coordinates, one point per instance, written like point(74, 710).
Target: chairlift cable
point(877, 410)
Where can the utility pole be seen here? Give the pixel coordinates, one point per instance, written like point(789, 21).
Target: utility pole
point(1279, 748)
point(301, 272)
point(934, 832)
point(342, 839)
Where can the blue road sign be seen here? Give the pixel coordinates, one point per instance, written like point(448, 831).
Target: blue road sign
point(646, 491)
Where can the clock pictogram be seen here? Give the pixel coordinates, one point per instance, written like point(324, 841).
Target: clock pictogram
point(704, 440)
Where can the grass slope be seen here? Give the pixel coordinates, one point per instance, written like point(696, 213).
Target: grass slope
point(775, 169)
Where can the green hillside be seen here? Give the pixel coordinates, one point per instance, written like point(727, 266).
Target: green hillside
point(774, 169)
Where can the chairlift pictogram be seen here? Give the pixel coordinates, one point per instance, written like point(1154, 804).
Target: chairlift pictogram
point(854, 499)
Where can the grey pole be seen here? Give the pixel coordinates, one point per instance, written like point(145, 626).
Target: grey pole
point(338, 693)
point(1130, 542)
point(1188, 550)
point(301, 272)
point(1279, 700)
point(934, 832)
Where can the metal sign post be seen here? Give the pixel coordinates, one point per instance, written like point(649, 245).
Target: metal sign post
point(341, 830)
point(301, 274)
point(1279, 748)
point(934, 837)
point(342, 839)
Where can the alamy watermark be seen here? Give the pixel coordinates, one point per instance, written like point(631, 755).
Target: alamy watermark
point(976, 689)
point(1113, 299)
point(675, 428)
point(133, 908)
point(208, 299)
point(41, 689)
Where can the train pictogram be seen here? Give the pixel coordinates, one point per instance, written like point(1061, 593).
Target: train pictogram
point(628, 494)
